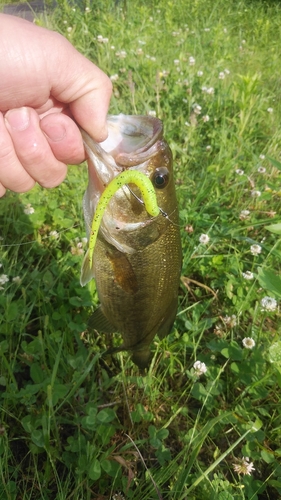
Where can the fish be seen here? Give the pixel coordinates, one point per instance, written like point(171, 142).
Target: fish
point(137, 258)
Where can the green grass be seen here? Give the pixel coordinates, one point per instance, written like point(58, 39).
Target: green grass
point(77, 426)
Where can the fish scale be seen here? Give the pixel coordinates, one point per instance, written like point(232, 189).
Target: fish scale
point(137, 258)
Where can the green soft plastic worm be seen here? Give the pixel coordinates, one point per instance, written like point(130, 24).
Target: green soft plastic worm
point(128, 176)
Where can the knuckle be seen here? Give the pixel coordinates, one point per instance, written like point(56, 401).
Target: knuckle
point(23, 187)
point(7, 154)
point(32, 154)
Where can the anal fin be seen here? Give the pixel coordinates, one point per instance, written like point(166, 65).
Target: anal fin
point(99, 322)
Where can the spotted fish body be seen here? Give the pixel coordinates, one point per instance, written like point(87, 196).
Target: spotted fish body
point(137, 258)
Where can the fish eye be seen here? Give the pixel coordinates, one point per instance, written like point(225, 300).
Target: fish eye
point(160, 177)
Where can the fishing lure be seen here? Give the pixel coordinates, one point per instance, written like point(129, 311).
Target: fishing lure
point(128, 176)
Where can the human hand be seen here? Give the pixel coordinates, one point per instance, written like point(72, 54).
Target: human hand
point(45, 84)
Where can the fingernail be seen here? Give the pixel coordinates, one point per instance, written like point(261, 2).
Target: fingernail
point(102, 135)
point(18, 119)
point(54, 132)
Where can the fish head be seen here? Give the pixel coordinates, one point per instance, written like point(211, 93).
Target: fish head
point(135, 143)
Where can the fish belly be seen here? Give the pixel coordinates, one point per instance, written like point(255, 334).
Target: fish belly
point(138, 292)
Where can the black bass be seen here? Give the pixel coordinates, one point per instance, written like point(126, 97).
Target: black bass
point(137, 258)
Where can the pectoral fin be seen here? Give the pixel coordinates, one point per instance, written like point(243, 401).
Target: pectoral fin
point(87, 273)
point(123, 271)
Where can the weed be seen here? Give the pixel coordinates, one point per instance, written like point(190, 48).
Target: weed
point(204, 423)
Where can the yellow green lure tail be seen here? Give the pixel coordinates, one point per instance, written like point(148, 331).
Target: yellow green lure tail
point(128, 176)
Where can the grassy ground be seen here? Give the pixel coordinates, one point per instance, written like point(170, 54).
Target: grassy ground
point(76, 426)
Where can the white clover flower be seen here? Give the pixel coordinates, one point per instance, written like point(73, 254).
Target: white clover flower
point(218, 330)
point(262, 157)
point(54, 235)
point(255, 193)
point(208, 148)
point(17, 280)
point(230, 321)
point(112, 47)
point(244, 466)
point(197, 109)
point(205, 118)
point(204, 89)
point(84, 241)
point(76, 250)
point(221, 75)
point(204, 239)
point(191, 61)
point(244, 214)
point(261, 170)
point(121, 54)
point(151, 112)
point(29, 209)
point(87, 9)
point(118, 496)
point(210, 91)
point(248, 343)
point(200, 368)
point(239, 171)
point(187, 124)
point(3, 279)
point(176, 62)
point(255, 249)
point(114, 77)
point(65, 21)
point(69, 29)
point(226, 71)
point(270, 110)
point(139, 51)
point(200, 73)
point(248, 275)
point(268, 304)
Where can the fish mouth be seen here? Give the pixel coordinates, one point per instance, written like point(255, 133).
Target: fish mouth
point(131, 142)
point(132, 139)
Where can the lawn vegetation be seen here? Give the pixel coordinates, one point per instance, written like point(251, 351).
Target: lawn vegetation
point(205, 422)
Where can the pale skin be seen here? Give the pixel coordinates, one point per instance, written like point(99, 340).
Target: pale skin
point(45, 87)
